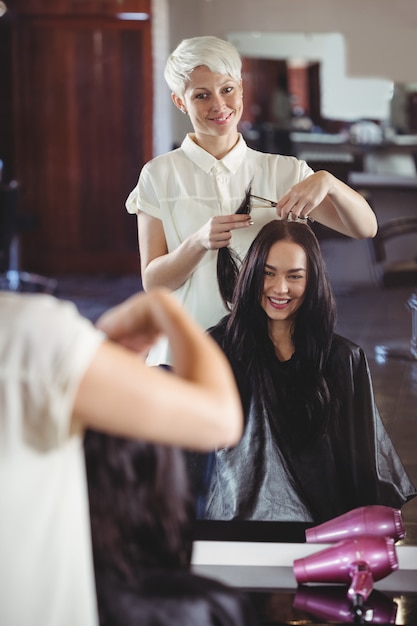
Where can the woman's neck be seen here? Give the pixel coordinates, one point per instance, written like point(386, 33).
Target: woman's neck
point(216, 146)
point(281, 336)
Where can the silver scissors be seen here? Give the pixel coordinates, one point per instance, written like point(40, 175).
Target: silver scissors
point(258, 202)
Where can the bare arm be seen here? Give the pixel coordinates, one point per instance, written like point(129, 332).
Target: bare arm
point(334, 203)
point(197, 406)
point(171, 269)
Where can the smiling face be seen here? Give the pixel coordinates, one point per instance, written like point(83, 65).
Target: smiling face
point(214, 104)
point(285, 281)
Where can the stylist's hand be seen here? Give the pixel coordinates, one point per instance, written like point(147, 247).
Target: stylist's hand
point(305, 196)
point(216, 233)
point(135, 323)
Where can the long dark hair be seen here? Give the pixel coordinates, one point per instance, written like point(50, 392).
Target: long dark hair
point(306, 397)
point(229, 262)
point(140, 506)
point(142, 521)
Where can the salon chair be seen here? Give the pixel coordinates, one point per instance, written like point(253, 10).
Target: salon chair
point(12, 225)
point(393, 253)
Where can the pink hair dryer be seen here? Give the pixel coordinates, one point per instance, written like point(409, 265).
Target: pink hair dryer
point(331, 604)
point(375, 520)
point(357, 562)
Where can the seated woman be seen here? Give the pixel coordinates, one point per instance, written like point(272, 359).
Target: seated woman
point(314, 444)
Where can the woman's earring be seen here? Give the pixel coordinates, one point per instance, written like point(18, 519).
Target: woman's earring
point(184, 111)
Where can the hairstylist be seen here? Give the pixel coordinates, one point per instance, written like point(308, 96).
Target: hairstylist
point(59, 376)
point(186, 199)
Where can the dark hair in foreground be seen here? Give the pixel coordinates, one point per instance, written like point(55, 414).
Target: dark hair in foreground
point(306, 398)
point(142, 518)
point(141, 510)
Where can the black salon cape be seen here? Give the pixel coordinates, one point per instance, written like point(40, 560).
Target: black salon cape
point(354, 464)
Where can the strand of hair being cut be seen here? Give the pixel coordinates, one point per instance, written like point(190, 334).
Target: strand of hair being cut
point(228, 261)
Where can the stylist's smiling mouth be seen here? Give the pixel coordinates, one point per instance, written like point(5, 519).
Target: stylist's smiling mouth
point(222, 119)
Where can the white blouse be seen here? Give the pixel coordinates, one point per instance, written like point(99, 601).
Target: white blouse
point(184, 188)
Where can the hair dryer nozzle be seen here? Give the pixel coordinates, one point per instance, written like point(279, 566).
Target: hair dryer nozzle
point(376, 520)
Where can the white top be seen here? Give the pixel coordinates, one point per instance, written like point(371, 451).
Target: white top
point(184, 188)
point(46, 569)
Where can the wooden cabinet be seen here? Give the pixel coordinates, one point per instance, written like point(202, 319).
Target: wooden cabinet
point(78, 7)
point(82, 129)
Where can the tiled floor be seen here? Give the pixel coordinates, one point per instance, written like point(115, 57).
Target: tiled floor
point(368, 315)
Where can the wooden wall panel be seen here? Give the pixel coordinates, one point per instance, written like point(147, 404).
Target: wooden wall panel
point(78, 7)
point(83, 101)
point(260, 78)
point(6, 101)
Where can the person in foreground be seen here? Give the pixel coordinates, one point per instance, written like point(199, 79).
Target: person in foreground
point(60, 375)
point(314, 444)
point(186, 199)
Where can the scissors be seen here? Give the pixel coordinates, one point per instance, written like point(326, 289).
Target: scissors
point(258, 202)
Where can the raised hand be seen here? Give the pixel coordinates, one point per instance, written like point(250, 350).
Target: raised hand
point(305, 196)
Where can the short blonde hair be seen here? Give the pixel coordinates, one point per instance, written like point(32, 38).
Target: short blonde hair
point(218, 55)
